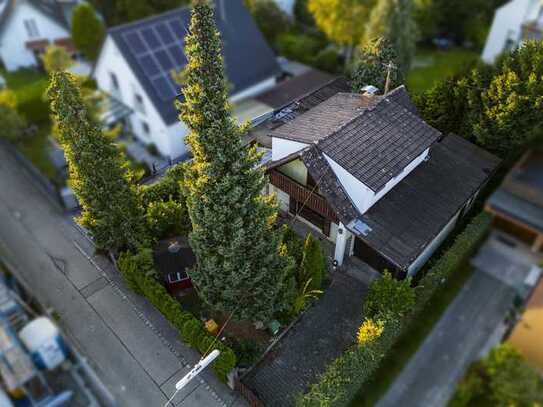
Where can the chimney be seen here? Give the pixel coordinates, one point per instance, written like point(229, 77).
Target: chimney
point(369, 90)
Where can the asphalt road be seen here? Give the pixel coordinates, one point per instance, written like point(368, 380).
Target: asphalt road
point(135, 352)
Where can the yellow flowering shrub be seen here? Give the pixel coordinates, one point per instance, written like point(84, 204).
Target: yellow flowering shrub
point(369, 331)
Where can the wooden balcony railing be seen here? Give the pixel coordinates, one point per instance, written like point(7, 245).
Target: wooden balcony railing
point(303, 194)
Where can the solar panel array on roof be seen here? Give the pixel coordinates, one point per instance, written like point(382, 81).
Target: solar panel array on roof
point(154, 47)
point(158, 52)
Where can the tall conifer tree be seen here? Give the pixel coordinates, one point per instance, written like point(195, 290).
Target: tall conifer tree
point(98, 173)
point(239, 267)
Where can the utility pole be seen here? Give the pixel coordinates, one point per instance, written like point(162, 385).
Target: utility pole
point(390, 66)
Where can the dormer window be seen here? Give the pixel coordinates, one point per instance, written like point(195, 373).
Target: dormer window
point(31, 28)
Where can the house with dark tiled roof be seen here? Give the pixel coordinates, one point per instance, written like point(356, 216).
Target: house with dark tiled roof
point(27, 27)
point(137, 60)
point(369, 174)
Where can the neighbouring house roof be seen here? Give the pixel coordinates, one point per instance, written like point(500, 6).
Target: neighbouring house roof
point(294, 88)
point(521, 194)
point(295, 108)
point(373, 137)
point(154, 47)
point(54, 9)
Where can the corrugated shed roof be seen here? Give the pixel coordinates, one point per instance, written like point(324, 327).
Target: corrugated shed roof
point(153, 47)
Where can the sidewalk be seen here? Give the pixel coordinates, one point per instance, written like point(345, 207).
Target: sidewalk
point(133, 349)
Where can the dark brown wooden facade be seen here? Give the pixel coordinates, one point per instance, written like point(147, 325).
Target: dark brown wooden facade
point(307, 196)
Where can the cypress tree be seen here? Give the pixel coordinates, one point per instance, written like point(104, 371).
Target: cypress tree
point(239, 268)
point(98, 173)
point(369, 67)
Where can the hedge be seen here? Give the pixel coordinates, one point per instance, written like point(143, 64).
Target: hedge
point(339, 384)
point(137, 270)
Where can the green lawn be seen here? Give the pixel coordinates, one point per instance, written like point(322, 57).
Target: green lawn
point(410, 341)
point(30, 86)
point(431, 66)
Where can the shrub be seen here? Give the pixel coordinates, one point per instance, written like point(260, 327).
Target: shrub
point(56, 59)
point(300, 47)
point(329, 60)
point(463, 247)
point(312, 266)
point(138, 272)
point(344, 375)
point(168, 218)
point(192, 331)
point(88, 30)
point(348, 373)
point(294, 245)
point(152, 149)
point(165, 189)
point(369, 331)
point(387, 294)
point(269, 17)
point(502, 379)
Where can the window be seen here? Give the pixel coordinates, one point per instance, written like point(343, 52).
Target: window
point(145, 128)
point(114, 81)
point(138, 103)
point(31, 28)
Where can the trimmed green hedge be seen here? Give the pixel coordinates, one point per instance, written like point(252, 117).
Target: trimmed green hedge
point(137, 270)
point(344, 377)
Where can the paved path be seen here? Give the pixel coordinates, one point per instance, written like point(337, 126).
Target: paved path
point(131, 346)
point(322, 334)
point(472, 321)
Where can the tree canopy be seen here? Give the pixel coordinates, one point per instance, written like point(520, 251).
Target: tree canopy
point(394, 21)
point(369, 67)
point(56, 59)
point(239, 269)
point(498, 106)
point(88, 30)
point(98, 173)
point(343, 21)
point(502, 379)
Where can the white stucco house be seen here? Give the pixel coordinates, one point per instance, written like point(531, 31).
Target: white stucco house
point(514, 22)
point(137, 59)
point(27, 27)
point(368, 174)
point(287, 6)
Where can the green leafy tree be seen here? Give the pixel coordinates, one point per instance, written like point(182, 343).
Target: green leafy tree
point(271, 20)
point(11, 122)
point(56, 59)
point(88, 30)
point(387, 294)
point(393, 20)
point(502, 379)
point(369, 66)
point(312, 266)
point(343, 21)
point(239, 267)
point(98, 172)
point(510, 113)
